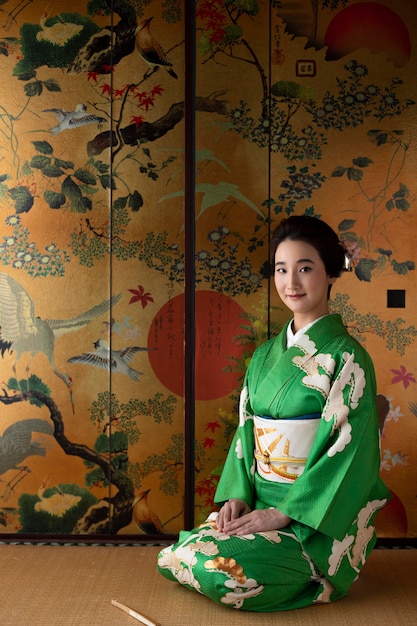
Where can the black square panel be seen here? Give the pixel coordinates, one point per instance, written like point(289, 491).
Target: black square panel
point(396, 298)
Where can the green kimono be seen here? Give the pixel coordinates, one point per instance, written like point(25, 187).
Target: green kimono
point(332, 495)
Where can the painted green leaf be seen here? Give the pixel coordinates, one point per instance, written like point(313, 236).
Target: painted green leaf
point(120, 203)
point(204, 45)
point(384, 251)
point(34, 89)
point(52, 171)
point(354, 174)
point(44, 147)
point(402, 204)
point(346, 225)
point(232, 32)
point(101, 166)
point(107, 182)
point(362, 162)
point(51, 85)
point(402, 268)
point(54, 200)
point(339, 171)
point(364, 268)
point(378, 136)
point(251, 7)
point(66, 165)
point(79, 203)
point(85, 177)
point(135, 201)
point(22, 198)
point(402, 191)
point(39, 162)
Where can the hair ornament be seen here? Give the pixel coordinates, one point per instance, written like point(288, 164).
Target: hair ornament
point(351, 250)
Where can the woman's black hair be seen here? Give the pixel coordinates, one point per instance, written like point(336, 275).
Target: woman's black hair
point(316, 233)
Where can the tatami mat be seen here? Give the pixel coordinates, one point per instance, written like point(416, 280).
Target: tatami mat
point(44, 585)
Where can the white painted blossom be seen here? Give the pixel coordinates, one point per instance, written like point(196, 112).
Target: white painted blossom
point(343, 440)
point(244, 414)
point(339, 404)
point(359, 381)
point(339, 550)
point(271, 535)
point(306, 344)
point(393, 413)
point(327, 362)
point(239, 593)
point(239, 448)
point(208, 548)
point(315, 379)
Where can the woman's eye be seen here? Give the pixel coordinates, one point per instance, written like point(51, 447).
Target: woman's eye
point(305, 269)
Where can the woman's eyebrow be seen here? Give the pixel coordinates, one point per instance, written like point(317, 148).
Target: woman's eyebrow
point(298, 261)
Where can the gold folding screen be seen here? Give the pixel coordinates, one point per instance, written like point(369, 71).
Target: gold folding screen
point(148, 149)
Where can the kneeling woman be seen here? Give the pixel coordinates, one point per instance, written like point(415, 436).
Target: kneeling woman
point(300, 488)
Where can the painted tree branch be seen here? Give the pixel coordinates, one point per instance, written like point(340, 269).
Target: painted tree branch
point(107, 515)
point(151, 131)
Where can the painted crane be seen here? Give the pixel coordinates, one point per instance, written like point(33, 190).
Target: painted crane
point(21, 331)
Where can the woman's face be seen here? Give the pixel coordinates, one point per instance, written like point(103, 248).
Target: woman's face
point(301, 281)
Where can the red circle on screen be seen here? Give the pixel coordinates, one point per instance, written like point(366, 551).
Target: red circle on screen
point(218, 319)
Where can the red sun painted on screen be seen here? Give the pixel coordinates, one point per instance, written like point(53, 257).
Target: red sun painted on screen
point(371, 26)
point(218, 320)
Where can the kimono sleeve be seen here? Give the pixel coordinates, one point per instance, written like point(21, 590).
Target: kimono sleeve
point(343, 466)
point(237, 479)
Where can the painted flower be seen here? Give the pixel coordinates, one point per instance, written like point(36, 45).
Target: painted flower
point(402, 376)
point(12, 220)
point(140, 295)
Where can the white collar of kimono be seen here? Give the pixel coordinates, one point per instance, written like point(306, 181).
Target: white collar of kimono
point(293, 337)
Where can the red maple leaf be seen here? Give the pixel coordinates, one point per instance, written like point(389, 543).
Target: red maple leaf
point(204, 486)
point(401, 376)
point(157, 90)
point(92, 76)
point(147, 102)
point(209, 443)
point(118, 93)
point(212, 426)
point(106, 88)
point(137, 120)
point(140, 95)
point(140, 295)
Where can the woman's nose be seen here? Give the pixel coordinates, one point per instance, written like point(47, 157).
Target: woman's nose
point(293, 280)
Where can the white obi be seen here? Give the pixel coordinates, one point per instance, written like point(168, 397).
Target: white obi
point(282, 447)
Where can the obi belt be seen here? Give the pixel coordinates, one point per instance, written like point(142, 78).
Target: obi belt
point(282, 446)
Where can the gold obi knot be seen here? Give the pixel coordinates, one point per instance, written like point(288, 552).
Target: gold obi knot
point(282, 446)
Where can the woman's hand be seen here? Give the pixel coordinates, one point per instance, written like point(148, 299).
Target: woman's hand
point(231, 510)
point(257, 521)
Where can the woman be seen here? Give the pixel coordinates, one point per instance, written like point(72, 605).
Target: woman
point(300, 488)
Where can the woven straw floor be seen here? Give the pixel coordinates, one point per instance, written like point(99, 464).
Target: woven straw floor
point(68, 584)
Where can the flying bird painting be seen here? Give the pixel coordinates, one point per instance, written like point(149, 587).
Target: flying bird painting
point(22, 331)
point(116, 361)
point(68, 120)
